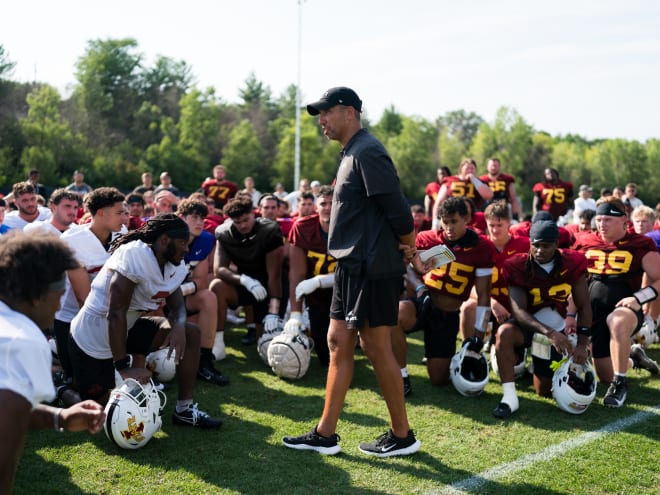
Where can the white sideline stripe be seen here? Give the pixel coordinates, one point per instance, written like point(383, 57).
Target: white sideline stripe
point(470, 485)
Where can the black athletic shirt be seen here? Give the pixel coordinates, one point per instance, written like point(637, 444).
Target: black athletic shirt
point(369, 211)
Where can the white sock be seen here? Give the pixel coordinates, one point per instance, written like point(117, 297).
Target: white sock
point(182, 405)
point(404, 371)
point(509, 395)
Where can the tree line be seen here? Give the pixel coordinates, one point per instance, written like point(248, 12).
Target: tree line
point(124, 117)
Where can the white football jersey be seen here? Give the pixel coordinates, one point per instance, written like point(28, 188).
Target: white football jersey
point(13, 219)
point(91, 254)
point(137, 262)
point(43, 226)
point(25, 357)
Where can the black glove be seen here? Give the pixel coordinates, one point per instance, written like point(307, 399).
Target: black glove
point(474, 344)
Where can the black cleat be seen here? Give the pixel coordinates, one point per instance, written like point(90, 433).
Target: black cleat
point(641, 360)
point(616, 393)
point(407, 386)
point(502, 411)
point(194, 417)
point(211, 375)
point(250, 338)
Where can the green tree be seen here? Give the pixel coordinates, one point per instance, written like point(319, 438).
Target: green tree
point(6, 65)
point(49, 140)
point(198, 131)
point(616, 162)
point(318, 156)
point(243, 154)
point(109, 85)
point(460, 125)
point(413, 152)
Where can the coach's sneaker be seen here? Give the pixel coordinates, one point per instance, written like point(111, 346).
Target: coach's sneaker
point(192, 416)
point(233, 318)
point(407, 386)
point(616, 393)
point(314, 441)
point(641, 360)
point(387, 445)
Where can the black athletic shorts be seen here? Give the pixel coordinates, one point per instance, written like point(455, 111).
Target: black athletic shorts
point(603, 297)
point(440, 331)
point(245, 298)
point(360, 301)
point(94, 377)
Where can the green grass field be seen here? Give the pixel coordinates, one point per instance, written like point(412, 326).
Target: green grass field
point(460, 440)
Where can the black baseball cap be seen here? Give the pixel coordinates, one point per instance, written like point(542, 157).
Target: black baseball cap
point(544, 231)
point(336, 96)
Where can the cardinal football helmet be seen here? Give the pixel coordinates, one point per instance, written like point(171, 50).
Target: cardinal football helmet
point(469, 372)
point(647, 333)
point(289, 354)
point(574, 386)
point(164, 369)
point(133, 414)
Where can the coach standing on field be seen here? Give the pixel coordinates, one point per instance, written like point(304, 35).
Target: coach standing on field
point(370, 219)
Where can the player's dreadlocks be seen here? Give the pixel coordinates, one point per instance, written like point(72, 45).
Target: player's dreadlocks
point(163, 223)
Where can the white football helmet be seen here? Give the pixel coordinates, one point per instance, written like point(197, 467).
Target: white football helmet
point(469, 372)
point(164, 369)
point(574, 386)
point(133, 414)
point(264, 342)
point(289, 354)
point(647, 333)
point(519, 369)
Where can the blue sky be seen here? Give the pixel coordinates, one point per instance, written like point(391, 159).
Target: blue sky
point(586, 67)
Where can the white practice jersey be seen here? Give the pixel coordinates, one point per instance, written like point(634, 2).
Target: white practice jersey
point(42, 226)
point(25, 357)
point(13, 219)
point(91, 254)
point(137, 262)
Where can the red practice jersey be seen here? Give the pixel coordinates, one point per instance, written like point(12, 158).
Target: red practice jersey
point(545, 289)
point(554, 198)
point(499, 185)
point(499, 288)
point(620, 260)
point(219, 191)
point(459, 187)
point(306, 234)
point(457, 278)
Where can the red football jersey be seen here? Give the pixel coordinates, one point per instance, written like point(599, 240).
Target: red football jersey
point(457, 278)
point(554, 197)
point(499, 185)
point(546, 289)
point(499, 288)
point(459, 187)
point(219, 191)
point(622, 259)
point(432, 189)
point(306, 234)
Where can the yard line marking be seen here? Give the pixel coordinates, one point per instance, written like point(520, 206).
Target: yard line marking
point(473, 483)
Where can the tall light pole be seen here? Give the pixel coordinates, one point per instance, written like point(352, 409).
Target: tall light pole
point(296, 158)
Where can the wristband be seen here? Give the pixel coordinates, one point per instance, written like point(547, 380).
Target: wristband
point(123, 363)
point(583, 331)
point(476, 182)
point(571, 315)
point(420, 287)
point(56, 420)
point(189, 288)
point(482, 318)
point(647, 294)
